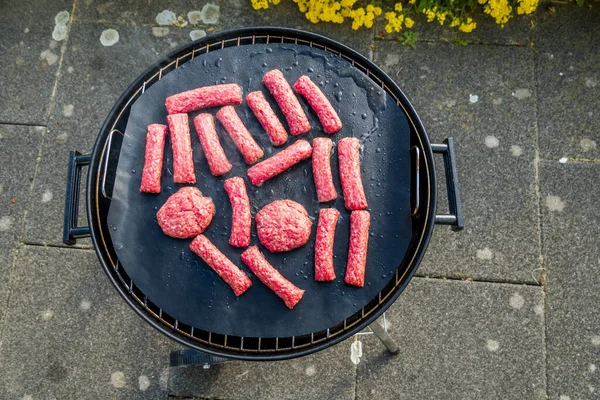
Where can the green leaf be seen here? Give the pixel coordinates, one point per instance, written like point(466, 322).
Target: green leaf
point(580, 3)
point(460, 42)
point(409, 39)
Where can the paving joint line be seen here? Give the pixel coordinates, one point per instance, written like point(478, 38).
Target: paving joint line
point(543, 272)
point(468, 43)
point(43, 138)
point(57, 246)
point(23, 124)
point(476, 280)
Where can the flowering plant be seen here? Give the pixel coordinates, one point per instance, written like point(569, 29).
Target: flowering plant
point(456, 14)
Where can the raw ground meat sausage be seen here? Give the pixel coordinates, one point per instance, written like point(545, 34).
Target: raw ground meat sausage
point(349, 163)
point(267, 118)
point(228, 271)
point(186, 213)
point(329, 118)
point(328, 218)
point(321, 166)
point(207, 96)
point(241, 221)
point(153, 158)
point(243, 140)
point(283, 225)
point(289, 104)
point(215, 156)
point(183, 163)
point(280, 162)
point(286, 290)
point(357, 251)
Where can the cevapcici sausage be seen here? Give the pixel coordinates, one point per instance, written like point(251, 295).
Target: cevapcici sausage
point(289, 104)
point(357, 251)
point(280, 162)
point(215, 156)
point(321, 167)
point(242, 139)
point(267, 118)
point(328, 218)
point(153, 158)
point(329, 118)
point(208, 96)
point(286, 290)
point(241, 220)
point(183, 163)
point(229, 272)
point(349, 162)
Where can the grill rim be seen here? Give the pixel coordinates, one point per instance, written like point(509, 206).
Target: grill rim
point(126, 100)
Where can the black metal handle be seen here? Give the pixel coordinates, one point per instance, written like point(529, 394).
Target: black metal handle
point(455, 218)
point(72, 232)
point(416, 188)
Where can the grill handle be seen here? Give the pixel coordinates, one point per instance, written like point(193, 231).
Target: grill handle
point(72, 232)
point(455, 218)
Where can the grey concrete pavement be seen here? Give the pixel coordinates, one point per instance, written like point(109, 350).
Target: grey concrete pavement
point(571, 235)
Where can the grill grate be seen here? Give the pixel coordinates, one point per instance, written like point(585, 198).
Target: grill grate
point(237, 344)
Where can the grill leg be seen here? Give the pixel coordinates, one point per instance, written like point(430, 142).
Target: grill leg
point(385, 338)
point(193, 357)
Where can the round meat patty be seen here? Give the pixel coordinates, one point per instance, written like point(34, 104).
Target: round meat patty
point(186, 213)
point(283, 225)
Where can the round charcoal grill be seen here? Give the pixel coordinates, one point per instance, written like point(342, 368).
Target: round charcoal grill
point(172, 289)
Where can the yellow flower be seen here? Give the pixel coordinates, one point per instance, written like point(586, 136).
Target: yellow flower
point(347, 3)
point(377, 11)
point(394, 22)
point(455, 22)
point(467, 26)
point(500, 10)
point(398, 7)
point(275, 2)
point(412, 1)
point(429, 13)
point(527, 6)
point(441, 17)
point(408, 22)
point(370, 8)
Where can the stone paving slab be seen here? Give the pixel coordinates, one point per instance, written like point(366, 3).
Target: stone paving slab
point(93, 78)
point(571, 237)
point(29, 59)
point(568, 80)
point(68, 335)
point(16, 174)
point(328, 374)
point(483, 96)
point(458, 340)
point(230, 15)
point(518, 31)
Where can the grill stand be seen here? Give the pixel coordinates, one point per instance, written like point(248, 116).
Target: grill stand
point(182, 358)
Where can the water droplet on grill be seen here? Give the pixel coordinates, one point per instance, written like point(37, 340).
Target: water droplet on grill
point(338, 96)
point(336, 84)
point(155, 208)
point(288, 68)
point(383, 276)
point(304, 190)
point(128, 144)
point(371, 234)
point(204, 63)
point(133, 171)
point(264, 65)
point(301, 271)
point(305, 276)
point(311, 69)
point(321, 83)
point(295, 63)
point(381, 236)
point(363, 116)
point(378, 150)
point(114, 228)
point(343, 293)
point(218, 62)
point(269, 50)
